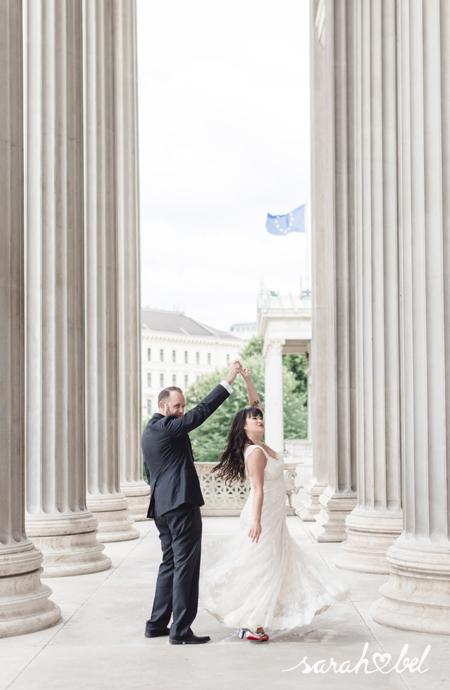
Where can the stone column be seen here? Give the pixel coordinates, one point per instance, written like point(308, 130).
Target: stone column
point(104, 498)
point(273, 398)
point(338, 276)
point(132, 483)
point(317, 403)
point(377, 519)
point(417, 595)
point(58, 520)
point(24, 603)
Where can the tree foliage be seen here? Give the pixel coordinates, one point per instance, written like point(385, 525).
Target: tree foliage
point(209, 439)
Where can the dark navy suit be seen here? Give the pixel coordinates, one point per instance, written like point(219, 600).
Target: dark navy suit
point(175, 503)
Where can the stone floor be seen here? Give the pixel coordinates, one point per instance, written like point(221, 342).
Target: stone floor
point(100, 642)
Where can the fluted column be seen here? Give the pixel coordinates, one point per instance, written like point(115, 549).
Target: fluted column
point(132, 483)
point(376, 521)
point(104, 497)
point(318, 401)
point(273, 412)
point(58, 520)
point(24, 603)
point(417, 595)
point(339, 498)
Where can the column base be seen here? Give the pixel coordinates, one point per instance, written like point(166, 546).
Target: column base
point(68, 543)
point(138, 494)
point(24, 603)
point(417, 594)
point(311, 506)
point(114, 522)
point(330, 522)
point(368, 538)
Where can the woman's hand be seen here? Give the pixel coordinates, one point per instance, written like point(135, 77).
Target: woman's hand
point(255, 531)
point(246, 374)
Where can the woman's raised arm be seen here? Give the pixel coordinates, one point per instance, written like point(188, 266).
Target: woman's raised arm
point(253, 397)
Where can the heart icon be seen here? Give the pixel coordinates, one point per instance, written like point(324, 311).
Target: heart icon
point(384, 659)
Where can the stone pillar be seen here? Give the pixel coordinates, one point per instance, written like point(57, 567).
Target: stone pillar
point(417, 595)
point(377, 519)
point(273, 397)
point(104, 498)
point(317, 403)
point(338, 276)
point(58, 520)
point(24, 603)
point(132, 483)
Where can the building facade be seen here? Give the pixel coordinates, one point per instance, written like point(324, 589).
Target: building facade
point(177, 350)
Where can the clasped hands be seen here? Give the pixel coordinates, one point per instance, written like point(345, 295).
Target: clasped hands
point(235, 369)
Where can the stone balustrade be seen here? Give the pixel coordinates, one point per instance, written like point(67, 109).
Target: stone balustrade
point(221, 500)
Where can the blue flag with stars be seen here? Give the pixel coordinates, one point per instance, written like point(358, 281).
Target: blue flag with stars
point(291, 222)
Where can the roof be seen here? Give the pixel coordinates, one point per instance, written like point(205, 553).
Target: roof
point(178, 322)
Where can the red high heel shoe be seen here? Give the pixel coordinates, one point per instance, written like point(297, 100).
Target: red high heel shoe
point(245, 633)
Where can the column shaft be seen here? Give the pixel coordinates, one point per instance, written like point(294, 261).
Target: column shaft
point(132, 483)
point(417, 595)
point(273, 414)
point(24, 603)
point(377, 519)
point(318, 402)
point(104, 497)
point(58, 520)
point(339, 498)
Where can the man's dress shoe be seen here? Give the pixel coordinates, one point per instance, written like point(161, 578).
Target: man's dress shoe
point(155, 633)
point(190, 639)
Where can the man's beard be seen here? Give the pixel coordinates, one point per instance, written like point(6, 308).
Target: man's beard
point(169, 412)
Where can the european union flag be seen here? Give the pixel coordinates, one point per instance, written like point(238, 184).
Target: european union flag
point(291, 222)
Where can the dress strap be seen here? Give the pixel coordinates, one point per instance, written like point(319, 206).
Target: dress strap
point(251, 448)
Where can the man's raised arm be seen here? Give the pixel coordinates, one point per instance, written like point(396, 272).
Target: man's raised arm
point(178, 426)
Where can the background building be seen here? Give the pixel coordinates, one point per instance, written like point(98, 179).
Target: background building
point(244, 330)
point(177, 351)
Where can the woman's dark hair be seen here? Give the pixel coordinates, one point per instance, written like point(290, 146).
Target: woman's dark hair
point(231, 465)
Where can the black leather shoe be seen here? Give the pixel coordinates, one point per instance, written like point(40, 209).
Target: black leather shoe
point(155, 633)
point(191, 639)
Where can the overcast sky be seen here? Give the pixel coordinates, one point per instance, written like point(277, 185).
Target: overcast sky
point(224, 140)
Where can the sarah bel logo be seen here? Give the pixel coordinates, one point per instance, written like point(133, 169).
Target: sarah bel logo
point(380, 663)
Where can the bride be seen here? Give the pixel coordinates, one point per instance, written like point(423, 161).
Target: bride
point(259, 577)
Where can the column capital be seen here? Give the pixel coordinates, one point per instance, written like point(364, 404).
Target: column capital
point(273, 347)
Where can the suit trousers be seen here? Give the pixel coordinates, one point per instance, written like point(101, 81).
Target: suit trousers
point(180, 532)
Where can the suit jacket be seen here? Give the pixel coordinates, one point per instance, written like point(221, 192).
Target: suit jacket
point(168, 458)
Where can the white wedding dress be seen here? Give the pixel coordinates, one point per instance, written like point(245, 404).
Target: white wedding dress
point(272, 583)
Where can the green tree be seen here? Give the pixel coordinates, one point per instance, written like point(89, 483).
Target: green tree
point(297, 364)
point(210, 438)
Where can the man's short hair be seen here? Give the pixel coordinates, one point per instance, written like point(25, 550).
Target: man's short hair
point(165, 393)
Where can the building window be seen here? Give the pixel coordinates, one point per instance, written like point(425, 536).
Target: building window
point(149, 353)
point(161, 355)
point(174, 355)
point(161, 380)
point(149, 407)
point(186, 381)
point(186, 356)
point(198, 378)
point(149, 380)
point(209, 358)
point(174, 379)
point(228, 359)
point(197, 357)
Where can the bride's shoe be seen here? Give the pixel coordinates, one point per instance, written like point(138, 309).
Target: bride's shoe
point(245, 633)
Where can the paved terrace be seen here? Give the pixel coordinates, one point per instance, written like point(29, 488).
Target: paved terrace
point(100, 642)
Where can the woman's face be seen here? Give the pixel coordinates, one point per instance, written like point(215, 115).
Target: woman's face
point(254, 424)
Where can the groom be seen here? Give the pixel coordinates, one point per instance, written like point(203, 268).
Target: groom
point(175, 503)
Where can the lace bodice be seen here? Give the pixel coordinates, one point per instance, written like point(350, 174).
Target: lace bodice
point(274, 467)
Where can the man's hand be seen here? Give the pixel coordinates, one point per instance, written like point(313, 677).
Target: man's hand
point(234, 371)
